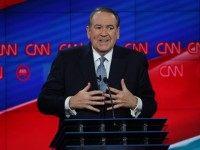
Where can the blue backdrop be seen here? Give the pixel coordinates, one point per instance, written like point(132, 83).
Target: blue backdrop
point(64, 21)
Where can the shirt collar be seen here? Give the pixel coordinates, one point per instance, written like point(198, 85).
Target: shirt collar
point(96, 55)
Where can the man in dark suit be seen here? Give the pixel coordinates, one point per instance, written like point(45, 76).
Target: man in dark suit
point(72, 89)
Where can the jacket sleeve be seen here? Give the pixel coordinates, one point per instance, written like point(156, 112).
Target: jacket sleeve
point(52, 96)
point(145, 91)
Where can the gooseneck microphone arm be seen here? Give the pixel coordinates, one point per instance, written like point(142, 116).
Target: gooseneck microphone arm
point(105, 80)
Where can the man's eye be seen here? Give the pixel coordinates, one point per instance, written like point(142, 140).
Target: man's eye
point(110, 27)
point(97, 27)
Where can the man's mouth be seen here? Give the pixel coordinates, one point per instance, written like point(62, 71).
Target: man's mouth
point(104, 40)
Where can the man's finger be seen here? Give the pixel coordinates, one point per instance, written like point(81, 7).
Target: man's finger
point(115, 107)
point(116, 91)
point(118, 106)
point(96, 103)
point(109, 102)
point(92, 108)
point(87, 87)
point(123, 84)
point(112, 95)
point(95, 92)
point(97, 98)
point(114, 101)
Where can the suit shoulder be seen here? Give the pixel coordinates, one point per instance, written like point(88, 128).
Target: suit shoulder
point(69, 54)
point(74, 51)
point(130, 52)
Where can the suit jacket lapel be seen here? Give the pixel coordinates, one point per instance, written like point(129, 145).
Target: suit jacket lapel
point(117, 69)
point(87, 67)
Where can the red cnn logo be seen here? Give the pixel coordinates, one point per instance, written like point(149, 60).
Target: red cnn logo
point(1, 72)
point(68, 45)
point(164, 48)
point(8, 49)
point(38, 49)
point(194, 48)
point(141, 47)
point(171, 70)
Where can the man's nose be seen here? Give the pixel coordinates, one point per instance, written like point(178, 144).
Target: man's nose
point(104, 32)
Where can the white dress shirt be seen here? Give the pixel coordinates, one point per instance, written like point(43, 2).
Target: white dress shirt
point(107, 63)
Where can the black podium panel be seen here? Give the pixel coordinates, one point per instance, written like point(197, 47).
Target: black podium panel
point(113, 133)
point(136, 124)
point(111, 138)
point(119, 147)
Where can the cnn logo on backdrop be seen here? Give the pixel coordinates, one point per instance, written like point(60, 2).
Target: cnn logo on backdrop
point(1, 73)
point(171, 70)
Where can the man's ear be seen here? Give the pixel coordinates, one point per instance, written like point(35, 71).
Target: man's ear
point(118, 32)
point(88, 31)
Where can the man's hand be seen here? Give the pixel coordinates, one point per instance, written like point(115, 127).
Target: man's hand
point(87, 99)
point(122, 98)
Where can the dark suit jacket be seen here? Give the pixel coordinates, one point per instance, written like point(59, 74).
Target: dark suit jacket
point(74, 68)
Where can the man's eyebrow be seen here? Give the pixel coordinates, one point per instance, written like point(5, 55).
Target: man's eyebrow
point(110, 25)
point(97, 25)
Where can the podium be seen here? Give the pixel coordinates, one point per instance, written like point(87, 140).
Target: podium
point(111, 134)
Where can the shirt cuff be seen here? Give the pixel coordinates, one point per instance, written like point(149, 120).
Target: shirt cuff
point(68, 110)
point(136, 112)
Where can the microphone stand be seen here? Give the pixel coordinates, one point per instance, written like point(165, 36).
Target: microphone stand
point(102, 125)
point(102, 114)
point(105, 80)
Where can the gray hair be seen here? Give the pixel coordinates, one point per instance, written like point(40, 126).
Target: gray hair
point(104, 9)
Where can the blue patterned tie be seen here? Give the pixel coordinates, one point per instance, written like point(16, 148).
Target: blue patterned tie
point(101, 74)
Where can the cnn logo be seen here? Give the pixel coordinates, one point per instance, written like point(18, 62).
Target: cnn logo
point(1, 72)
point(171, 70)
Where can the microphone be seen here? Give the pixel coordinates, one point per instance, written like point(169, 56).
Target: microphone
point(102, 109)
point(105, 80)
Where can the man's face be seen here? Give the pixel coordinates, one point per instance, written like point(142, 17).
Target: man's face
point(103, 32)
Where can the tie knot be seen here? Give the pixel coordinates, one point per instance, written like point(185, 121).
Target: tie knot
point(102, 59)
